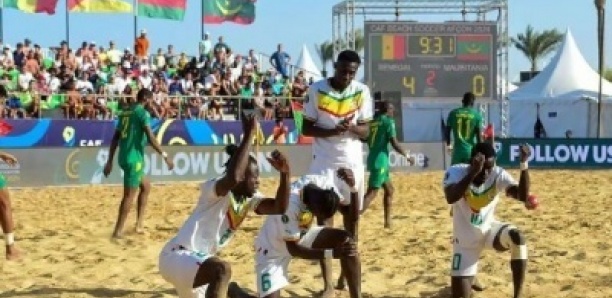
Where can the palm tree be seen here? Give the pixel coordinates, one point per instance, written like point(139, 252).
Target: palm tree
point(325, 51)
point(536, 45)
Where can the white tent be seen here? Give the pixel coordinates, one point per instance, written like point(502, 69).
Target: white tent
point(307, 65)
point(566, 93)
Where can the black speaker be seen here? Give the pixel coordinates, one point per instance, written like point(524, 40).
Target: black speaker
point(395, 98)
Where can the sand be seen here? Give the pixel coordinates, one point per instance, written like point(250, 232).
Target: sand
point(65, 234)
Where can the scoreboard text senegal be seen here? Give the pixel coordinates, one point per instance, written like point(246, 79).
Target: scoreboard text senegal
point(432, 60)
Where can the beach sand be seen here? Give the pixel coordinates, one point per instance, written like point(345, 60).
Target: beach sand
point(65, 235)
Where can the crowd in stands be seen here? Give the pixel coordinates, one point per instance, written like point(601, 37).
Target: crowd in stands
point(95, 81)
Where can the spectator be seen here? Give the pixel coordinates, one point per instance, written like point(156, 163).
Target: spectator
point(205, 47)
point(141, 46)
point(279, 60)
point(280, 132)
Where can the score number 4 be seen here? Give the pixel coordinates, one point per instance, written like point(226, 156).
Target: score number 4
point(478, 83)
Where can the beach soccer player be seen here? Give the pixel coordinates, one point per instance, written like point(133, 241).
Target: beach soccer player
point(6, 212)
point(473, 191)
point(382, 134)
point(131, 135)
point(464, 125)
point(292, 235)
point(188, 261)
point(337, 111)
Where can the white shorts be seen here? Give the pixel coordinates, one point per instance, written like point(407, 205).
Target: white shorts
point(465, 259)
point(179, 267)
point(320, 167)
point(272, 272)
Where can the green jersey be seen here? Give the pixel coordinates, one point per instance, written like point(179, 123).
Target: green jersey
point(463, 122)
point(133, 138)
point(382, 130)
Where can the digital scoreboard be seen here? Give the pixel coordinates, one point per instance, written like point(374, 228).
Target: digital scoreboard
point(432, 60)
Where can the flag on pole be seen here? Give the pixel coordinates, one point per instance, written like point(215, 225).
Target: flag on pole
point(99, 6)
point(237, 11)
point(162, 9)
point(298, 118)
point(32, 6)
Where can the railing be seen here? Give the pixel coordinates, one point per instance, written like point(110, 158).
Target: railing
point(108, 106)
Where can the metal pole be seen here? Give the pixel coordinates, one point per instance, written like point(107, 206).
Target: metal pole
point(1, 21)
point(600, 41)
point(135, 20)
point(67, 24)
point(202, 20)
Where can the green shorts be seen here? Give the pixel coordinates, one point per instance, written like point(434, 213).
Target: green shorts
point(132, 174)
point(2, 181)
point(378, 177)
point(460, 158)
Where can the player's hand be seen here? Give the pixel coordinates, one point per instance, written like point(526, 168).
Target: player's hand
point(169, 163)
point(249, 123)
point(525, 152)
point(532, 202)
point(477, 164)
point(410, 158)
point(108, 168)
point(346, 249)
point(279, 162)
point(8, 159)
point(347, 176)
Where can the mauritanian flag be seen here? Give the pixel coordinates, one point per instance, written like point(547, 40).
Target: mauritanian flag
point(388, 47)
point(237, 11)
point(32, 6)
point(99, 6)
point(162, 9)
point(474, 47)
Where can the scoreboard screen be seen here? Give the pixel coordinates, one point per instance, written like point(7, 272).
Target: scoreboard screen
point(432, 60)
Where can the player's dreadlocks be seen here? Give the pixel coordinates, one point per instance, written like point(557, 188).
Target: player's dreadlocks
point(485, 149)
point(231, 150)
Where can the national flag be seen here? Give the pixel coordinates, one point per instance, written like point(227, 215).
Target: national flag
point(388, 47)
point(99, 6)
point(474, 47)
point(298, 118)
point(162, 9)
point(32, 6)
point(237, 11)
point(5, 128)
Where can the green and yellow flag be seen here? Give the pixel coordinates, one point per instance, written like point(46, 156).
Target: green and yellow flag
point(237, 11)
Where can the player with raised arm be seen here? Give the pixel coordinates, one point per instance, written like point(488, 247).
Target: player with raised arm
point(473, 191)
point(382, 134)
point(337, 111)
point(132, 133)
point(189, 260)
point(464, 125)
point(6, 212)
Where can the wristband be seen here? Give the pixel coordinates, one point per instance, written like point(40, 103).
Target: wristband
point(328, 254)
point(164, 154)
point(9, 238)
point(524, 166)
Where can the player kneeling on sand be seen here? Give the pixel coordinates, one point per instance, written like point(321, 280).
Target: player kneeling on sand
point(473, 191)
point(188, 261)
point(283, 237)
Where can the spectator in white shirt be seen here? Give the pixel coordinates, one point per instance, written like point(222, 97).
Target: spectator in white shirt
point(205, 47)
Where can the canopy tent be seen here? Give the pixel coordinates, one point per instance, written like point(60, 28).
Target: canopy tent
point(565, 93)
point(307, 65)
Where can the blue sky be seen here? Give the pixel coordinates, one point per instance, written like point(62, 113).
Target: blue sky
point(291, 22)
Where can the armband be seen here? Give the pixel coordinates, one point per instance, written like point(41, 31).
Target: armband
point(524, 166)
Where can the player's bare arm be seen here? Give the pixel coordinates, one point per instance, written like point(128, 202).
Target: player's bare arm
point(279, 204)
point(237, 167)
point(521, 191)
point(310, 129)
point(153, 141)
point(455, 192)
point(361, 129)
point(347, 249)
point(396, 146)
point(108, 168)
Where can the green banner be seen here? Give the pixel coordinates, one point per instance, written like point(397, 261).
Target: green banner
point(557, 153)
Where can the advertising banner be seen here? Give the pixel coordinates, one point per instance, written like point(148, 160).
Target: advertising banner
point(33, 133)
point(557, 153)
point(42, 167)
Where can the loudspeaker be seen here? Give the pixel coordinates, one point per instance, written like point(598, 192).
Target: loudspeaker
point(395, 98)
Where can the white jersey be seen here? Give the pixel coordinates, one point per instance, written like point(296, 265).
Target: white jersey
point(474, 213)
point(277, 229)
point(327, 107)
point(214, 221)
